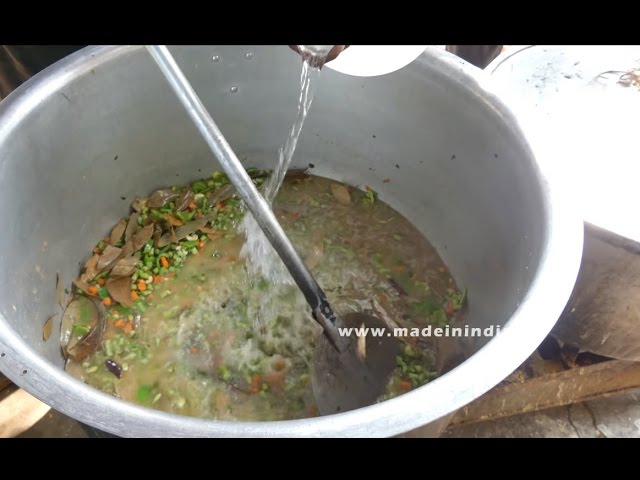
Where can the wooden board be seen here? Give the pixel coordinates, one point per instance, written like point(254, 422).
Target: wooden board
point(19, 411)
point(551, 390)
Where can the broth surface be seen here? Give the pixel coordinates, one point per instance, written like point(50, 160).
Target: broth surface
point(200, 336)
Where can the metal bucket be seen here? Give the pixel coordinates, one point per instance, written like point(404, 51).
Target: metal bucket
point(578, 99)
point(81, 138)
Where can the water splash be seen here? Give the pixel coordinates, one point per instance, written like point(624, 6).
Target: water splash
point(261, 259)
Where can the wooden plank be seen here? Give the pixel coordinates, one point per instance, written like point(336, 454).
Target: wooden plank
point(552, 390)
point(19, 411)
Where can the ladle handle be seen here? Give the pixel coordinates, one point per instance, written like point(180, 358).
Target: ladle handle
point(257, 205)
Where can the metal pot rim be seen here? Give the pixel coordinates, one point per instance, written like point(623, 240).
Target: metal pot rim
point(527, 327)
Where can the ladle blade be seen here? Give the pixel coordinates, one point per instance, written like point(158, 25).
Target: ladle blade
point(358, 375)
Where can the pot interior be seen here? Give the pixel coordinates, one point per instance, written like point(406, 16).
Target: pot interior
point(108, 128)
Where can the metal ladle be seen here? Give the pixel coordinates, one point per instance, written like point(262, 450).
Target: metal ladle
point(348, 371)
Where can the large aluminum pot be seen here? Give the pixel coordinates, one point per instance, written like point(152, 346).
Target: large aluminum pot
point(81, 138)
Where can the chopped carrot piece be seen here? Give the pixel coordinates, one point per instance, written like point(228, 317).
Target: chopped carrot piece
point(107, 301)
point(201, 244)
point(449, 309)
point(92, 290)
point(279, 364)
point(119, 323)
point(194, 349)
point(193, 205)
point(256, 381)
point(127, 328)
point(157, 279)
point(134, 295)
point(164, 262)
point(405, 385)
point(101, 281)
point(274, 379)
point(142, 286)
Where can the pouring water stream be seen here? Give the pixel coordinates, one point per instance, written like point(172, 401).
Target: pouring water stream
point(348, 373)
